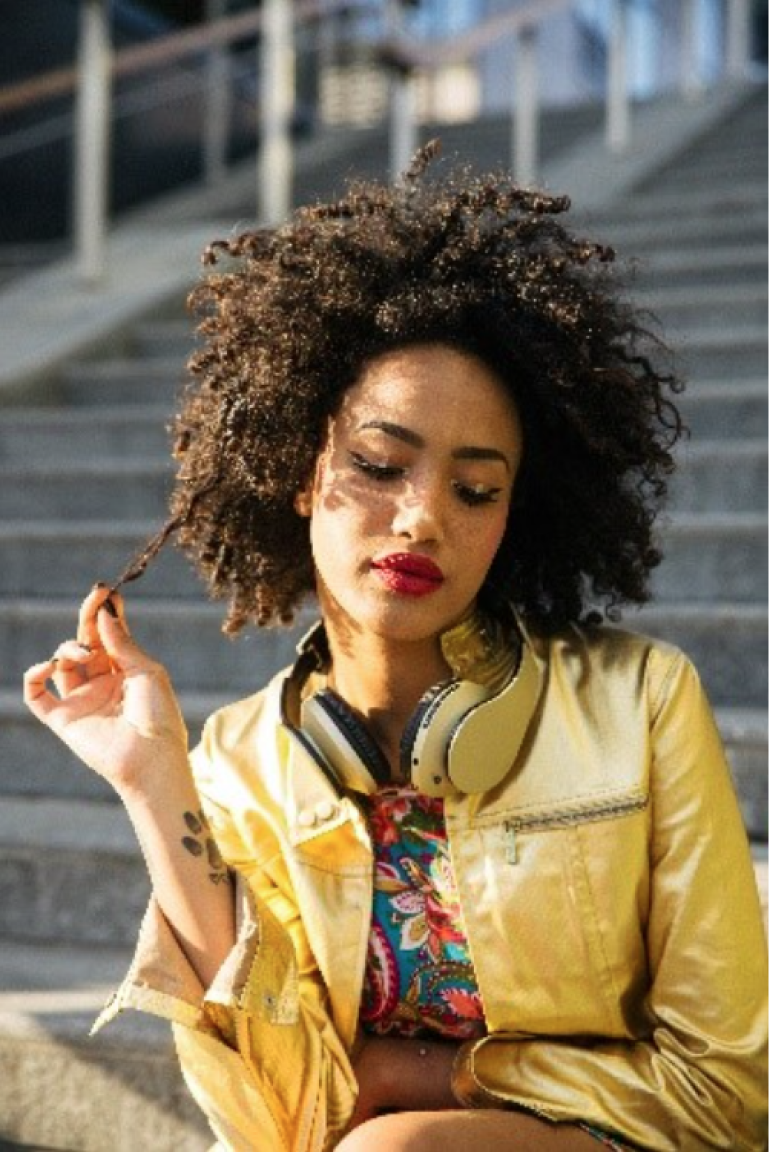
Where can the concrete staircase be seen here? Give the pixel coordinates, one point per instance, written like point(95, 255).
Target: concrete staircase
point(83, 477)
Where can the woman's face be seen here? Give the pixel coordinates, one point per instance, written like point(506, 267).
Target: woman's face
point(411, 492)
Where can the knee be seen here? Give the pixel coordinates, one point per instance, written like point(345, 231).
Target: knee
point(399, 1132)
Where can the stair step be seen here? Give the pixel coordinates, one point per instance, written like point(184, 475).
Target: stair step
point(693, 232)
point(744, 733)
point(713, 557)
point(702, 200)
point(720, 476)
point(736, 264)
point(122, 381)
point(82, 434)
point(51, 851)
point(716, 410)
point(736, 352)
point(121, 1089)
point(186, 637)
point(34, 762)
point(93, 488)
point(724, 640)
point(67, 557)
point(695, 308)
point(164, 337)
point(715, 170)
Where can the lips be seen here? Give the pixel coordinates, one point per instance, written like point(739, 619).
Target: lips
point(409, 574)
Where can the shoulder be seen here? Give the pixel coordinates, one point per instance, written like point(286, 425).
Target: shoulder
point(230, 725)
point(238, 768)
point(609, 654)
point(239, 742)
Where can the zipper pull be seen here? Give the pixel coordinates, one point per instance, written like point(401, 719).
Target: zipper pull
point(511, 848)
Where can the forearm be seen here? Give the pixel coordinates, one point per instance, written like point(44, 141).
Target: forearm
point(396, 1074)
point(190, 881)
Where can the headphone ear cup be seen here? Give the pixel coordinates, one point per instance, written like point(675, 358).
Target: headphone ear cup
point(338, 732)
point(429, 777)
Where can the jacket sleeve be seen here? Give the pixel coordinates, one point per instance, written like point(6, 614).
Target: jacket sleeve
point(258, 1048)
point(698, 1081)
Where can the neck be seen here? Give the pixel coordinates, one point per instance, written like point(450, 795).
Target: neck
point(383, 681)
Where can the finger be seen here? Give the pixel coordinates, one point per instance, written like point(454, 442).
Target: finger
point(73, 652)
point(37, 696)
point(119, 645)
point(87, 629)
point(149, 702)
point(74, 663)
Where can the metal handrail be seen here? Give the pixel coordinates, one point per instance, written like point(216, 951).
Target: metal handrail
point(523, 26)
point(276, 21)
point(467, 45)
point(165, 49)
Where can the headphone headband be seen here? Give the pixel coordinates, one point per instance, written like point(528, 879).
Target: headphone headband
point(463, 736)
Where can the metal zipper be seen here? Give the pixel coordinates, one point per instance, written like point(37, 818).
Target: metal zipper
point(566, 817)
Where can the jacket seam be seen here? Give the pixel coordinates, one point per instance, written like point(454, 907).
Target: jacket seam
point(593, 911)
point(244, 1023)
point(660, 696)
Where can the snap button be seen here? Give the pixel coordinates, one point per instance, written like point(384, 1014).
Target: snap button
point(325, 809)
point(306, 818)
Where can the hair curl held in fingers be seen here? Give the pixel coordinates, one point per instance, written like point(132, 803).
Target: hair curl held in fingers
point(289, 317)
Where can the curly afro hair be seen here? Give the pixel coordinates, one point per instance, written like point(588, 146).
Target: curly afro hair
point(291, 315)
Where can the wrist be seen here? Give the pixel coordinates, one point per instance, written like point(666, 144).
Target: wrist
point(166, 782)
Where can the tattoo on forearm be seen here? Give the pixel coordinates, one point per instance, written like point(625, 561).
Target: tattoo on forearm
point(202, 843)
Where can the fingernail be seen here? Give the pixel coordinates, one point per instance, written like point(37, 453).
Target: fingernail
point(98, 584)
point(111, 609)
point(85, 647)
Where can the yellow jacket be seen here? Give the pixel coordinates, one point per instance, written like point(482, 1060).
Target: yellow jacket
point(608, 897)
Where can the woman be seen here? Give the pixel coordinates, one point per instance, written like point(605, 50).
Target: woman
point(472, 873)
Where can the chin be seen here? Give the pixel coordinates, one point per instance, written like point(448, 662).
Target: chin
point(408, 622)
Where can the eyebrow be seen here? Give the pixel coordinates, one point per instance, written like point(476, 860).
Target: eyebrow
point(465, 452)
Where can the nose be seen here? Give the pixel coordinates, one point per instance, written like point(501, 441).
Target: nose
point(418, 514)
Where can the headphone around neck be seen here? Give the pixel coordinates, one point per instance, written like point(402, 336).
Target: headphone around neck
point(463, 737)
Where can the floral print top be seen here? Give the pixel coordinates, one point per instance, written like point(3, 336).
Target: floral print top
point(419, 975)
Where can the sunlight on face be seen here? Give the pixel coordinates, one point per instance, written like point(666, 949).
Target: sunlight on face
point(411, 492)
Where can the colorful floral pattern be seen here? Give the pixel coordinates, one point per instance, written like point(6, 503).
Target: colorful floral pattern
point(419, 975)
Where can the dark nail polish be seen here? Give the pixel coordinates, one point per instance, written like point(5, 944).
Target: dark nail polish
point(85, 647)
point(110, 608)
point(98, 584)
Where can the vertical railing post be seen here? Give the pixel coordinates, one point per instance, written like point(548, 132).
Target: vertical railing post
point(216, 114)
point(92, 144)
point(403, 112)
point(526, 111)
point(692, 83)
point(617, 85)
point(737, 38)
point(276, 111)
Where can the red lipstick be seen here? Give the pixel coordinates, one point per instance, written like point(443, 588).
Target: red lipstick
point(408, 574)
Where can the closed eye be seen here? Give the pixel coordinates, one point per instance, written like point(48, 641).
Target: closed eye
point(476, 494)
point(375, 471)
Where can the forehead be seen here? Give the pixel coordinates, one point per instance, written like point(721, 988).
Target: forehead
point(431, 385)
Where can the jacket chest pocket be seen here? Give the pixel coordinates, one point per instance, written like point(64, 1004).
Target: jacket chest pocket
point(554, 906)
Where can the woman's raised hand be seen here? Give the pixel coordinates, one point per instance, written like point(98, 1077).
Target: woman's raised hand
point(113, 705)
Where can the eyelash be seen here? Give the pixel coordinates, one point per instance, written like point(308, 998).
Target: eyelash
point(381, 473)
